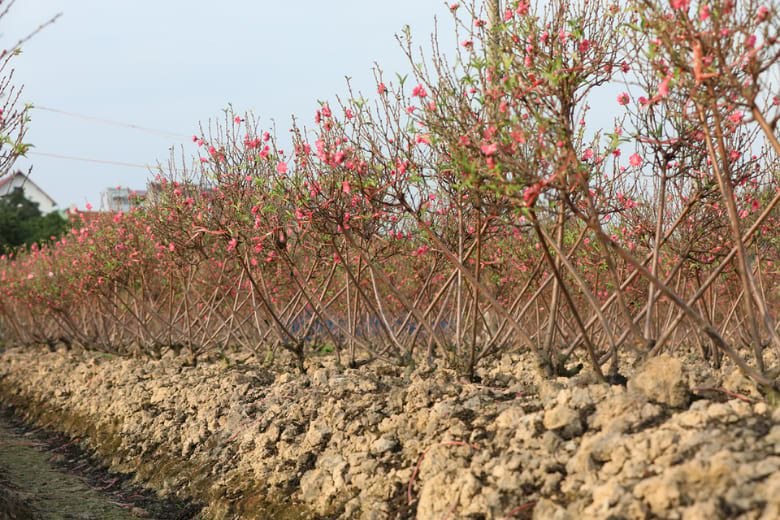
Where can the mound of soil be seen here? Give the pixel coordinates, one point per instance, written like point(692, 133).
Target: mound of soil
point(680, 441)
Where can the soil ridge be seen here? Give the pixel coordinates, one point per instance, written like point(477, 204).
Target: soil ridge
point(682, 440)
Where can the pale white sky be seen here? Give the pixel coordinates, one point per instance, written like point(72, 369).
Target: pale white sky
point(169, 64)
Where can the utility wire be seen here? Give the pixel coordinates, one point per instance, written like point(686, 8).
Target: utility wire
point(146, 167)
point(85, 159)
point(115, 123)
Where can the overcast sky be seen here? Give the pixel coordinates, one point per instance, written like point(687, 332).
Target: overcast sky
point(170, 64)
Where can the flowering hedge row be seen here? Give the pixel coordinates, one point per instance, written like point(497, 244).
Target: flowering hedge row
point(469, 209)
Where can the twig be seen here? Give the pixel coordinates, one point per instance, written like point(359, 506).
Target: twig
point(120, 504)
point(516, 510)
point(724, 391)
point(109, 485)
point(54, 450)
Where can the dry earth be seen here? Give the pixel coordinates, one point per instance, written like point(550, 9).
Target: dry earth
point(382, 443)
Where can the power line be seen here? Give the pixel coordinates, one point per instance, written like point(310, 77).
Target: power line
point(146, 167)
point(85, 159)
point(115, 123)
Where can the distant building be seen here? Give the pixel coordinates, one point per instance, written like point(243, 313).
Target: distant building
point(155, 191)
point(121, 199)
point(32, 191)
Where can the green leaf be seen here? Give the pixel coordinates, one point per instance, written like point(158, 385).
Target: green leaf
point(506, 60)
point(22, 148)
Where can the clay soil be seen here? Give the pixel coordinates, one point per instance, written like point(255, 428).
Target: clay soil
point(681, 440)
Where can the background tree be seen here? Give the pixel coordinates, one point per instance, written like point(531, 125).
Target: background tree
point(23, 224)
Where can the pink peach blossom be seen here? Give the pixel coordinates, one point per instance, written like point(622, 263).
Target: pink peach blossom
point(419, 91)
point(489, 149)
point(663, 88)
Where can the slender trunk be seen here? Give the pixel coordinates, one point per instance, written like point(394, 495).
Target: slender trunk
point(459, 286)
point(723, 176)
point(660, 211)
point(588, 345)
point(494, 18)
point(549, 341)
point(475, 302)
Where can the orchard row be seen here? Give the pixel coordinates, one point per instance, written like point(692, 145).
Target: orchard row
point(470, 209)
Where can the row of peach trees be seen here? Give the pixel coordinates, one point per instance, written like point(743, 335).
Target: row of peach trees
point(469, 210)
